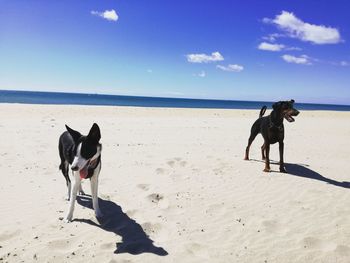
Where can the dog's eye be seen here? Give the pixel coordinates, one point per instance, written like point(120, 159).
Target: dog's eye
point(87, 151)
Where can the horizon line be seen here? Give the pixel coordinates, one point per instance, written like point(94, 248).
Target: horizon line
point(165, 97)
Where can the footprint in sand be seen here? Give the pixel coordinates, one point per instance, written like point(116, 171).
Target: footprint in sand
point(144, 187)
point(59, 244)
point(272, 226)
point(195, 248)
point(159, 200)
point(176, 164)
point(6, 235)
point(178, 176)
point(171, 163)
point(155, 198)
point(310, 242)
point(342, 250)
point(177, 161)
point(183, 163)
point(315, 243)
point(218, 171)
point(160, 171)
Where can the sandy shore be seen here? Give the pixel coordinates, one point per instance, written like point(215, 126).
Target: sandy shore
point(174, 188)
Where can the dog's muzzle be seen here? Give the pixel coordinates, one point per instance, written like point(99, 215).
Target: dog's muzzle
point(289, 114)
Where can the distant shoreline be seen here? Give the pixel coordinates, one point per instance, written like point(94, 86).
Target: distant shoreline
point(60, 98)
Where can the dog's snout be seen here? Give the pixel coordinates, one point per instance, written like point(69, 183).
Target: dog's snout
point(74, 168)
point(296, 112)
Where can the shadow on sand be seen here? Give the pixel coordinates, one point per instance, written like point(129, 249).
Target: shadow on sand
point(134, 240)
point(302, 170)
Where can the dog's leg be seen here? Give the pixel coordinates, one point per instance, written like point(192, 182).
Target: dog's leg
point(94, 190)
point(81, 191)
point(246, 157)
point(281, 148)
point(253, 133)
point(267, 159)
point(250, 141)
point(73, 197)
point(64, 166)
point(69, 186)
point(263, 148)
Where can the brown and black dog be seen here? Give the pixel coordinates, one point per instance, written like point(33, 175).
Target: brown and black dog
point(272, 129)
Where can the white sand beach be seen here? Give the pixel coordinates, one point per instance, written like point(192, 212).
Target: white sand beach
point(174, 188)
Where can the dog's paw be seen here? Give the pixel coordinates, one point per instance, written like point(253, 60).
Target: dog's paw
point(68, 219)
point(283, 170)
point(246, 159)
point(267, 170)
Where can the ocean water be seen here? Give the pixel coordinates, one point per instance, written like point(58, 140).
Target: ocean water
point(31, 97)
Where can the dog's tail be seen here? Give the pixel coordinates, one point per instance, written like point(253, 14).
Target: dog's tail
point(262, 111)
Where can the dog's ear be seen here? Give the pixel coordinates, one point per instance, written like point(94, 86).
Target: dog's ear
point(75, 134)
point(276, 105)
point(94, 133)
point(292, 101)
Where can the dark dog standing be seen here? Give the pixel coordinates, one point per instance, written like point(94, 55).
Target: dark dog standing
point(272, 129)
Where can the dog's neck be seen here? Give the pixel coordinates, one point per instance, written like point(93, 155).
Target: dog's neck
point(93, 165)
point(276, 119)
point(95, 160)
point(97, 154)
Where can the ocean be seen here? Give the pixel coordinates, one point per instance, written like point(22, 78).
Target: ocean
point(32, 97)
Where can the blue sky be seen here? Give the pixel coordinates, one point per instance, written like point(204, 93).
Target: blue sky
point(219, 49)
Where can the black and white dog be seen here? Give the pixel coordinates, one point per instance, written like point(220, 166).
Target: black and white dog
point(83, 153)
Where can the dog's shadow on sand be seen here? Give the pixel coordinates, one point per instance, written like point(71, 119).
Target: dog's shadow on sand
point(302, 170)
point(134, 239)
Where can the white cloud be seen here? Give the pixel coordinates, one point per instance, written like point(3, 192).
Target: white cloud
point(270, 47)
point(203, 58)
point(109, 15)
point(273, 37)
point(267, 20)
point(231, 68)
point(342, 63)
point(202, 74)
point(275, 47)
point(303, 59)
point(293, 48)
point(296, 28)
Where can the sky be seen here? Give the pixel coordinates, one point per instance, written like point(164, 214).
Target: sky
point(212, 49)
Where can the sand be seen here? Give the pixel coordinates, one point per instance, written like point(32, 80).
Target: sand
point(174, 188)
